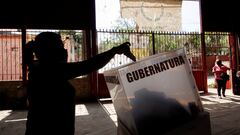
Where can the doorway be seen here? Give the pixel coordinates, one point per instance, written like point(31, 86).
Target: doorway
point(217, 47)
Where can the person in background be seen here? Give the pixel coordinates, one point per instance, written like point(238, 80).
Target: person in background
point(236, 90)
point(51, 97)
point(218, 69)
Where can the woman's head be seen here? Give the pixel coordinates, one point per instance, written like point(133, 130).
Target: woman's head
point(238, 74)
point(48, 47)
point(219, 62)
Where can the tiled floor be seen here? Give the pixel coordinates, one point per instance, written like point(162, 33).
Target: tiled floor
point(91, 119)
point(99, 118)
point(224, 113)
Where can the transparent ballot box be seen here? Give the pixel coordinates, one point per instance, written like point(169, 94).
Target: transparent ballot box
point(154, 95)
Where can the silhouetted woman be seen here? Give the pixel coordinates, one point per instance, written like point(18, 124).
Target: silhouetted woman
point(50, 95)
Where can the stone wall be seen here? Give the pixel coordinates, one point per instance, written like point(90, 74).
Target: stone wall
point(156, 15)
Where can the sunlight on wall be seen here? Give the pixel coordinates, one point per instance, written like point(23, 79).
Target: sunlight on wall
point(108, 12)
point(190, 16)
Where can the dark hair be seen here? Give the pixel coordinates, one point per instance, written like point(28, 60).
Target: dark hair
point(47, 46)
point(219, 62)
point(48, 40)
point(28, 52)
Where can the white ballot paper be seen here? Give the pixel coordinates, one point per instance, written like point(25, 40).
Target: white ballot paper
point(155, 94)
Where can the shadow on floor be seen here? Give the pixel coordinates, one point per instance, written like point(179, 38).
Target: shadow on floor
point(91, 119)
point(99, 118)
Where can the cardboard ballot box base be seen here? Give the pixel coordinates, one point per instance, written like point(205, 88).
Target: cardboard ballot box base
point(199, 126)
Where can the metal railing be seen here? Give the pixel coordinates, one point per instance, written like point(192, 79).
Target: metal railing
point(146, 43)
point(11, 50)
point(217, 43)
point(10, 55)
point(143, 44)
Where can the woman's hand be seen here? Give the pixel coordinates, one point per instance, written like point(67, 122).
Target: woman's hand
point(124, 49)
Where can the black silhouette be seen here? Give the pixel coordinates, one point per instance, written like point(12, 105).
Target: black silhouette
point(155, 113)
point(51, 97)
point(236, 88)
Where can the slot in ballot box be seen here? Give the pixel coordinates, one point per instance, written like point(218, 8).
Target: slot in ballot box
point(155, 95)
